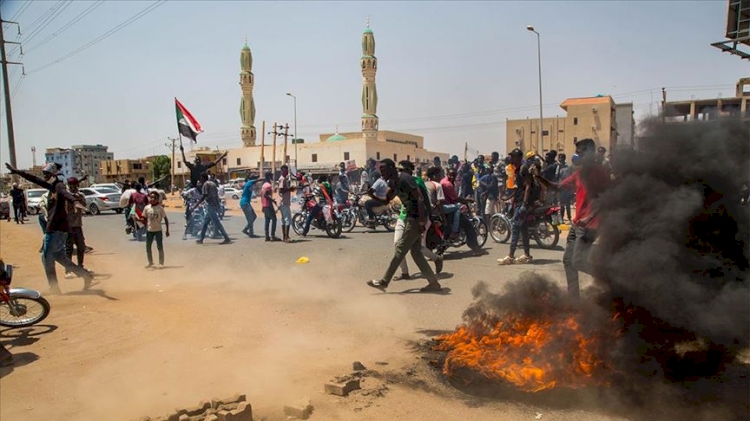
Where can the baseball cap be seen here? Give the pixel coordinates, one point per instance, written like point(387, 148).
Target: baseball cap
point(530, 154)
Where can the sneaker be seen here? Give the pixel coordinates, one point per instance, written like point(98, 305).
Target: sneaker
point(507, 260)
point(525, 259)
point(160, 266)
point(88, 249)
point(199, 241)
point(244, 231)
point(378, 284)
point(432, 287)
point(88, 280)
point(226, 241)
point(439, 264)
point(149, 266)
point(275, 239)
point(69, 275)
point(268, 238)
point(54, 290)
point(402, 277)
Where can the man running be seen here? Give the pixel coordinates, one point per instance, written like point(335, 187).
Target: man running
point(211, 196)
point(247, 206)
point(413, 200)
point(57, 225)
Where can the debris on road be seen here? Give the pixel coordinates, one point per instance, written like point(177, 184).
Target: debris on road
point(299, 410)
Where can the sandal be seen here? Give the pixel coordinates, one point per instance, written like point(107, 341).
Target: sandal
point(507, 260)
point(525, 259)
point(402, 277)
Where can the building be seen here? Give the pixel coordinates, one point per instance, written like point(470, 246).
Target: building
point(590, 117)
point(124, 169)
point(625, 117)
point(324, 156)
point(80, 160)
point(712, 109)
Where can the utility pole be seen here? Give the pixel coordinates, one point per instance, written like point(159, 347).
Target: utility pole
point(663, 105)
point(286, 135)
point(262, 148)
point(172, 164)
point(6, 87)
point(273, 153)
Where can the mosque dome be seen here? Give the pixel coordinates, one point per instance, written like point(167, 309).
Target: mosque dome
point(336, 138)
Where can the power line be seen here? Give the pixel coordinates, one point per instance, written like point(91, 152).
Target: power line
point(20, 11)
point(47, 21)
point(66, 26)
point(44, 15)
point(102, 37)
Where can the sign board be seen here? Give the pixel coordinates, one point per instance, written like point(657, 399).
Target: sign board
point(351, 165)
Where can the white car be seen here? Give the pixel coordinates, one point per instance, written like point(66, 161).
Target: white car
point(101, 199)
point(232, 192)
point(33, 200)
point(112, 186)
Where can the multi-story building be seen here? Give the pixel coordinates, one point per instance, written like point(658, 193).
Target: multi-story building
point(80, 160)
point(591, 117)
point(712, 109)
point(124, 169)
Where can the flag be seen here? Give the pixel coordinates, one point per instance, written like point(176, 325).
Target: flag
point(187, 125)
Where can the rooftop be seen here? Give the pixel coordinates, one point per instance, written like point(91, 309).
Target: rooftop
point(586, 101)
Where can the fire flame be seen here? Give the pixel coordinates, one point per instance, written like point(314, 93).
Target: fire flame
point(531, 354)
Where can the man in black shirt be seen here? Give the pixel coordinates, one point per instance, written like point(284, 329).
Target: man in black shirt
point(417, 214)
point(57, 228)
point(197, 168)
point(19, 201)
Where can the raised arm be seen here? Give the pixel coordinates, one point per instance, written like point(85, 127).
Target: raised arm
point(30, 177)
point(184, 159)
point(218, 160)
point(155, 182)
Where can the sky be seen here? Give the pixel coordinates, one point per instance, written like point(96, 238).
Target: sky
point(452, 72)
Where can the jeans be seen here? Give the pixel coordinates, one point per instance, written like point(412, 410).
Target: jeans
point(449, 209)
point(42, 223)
point(519, 226)
point(286, 215)
point(312, 215)
point(18, 212)
point(250, 217)
point(410, 241)
point(75, 238)
point(398, 233)
point(270, 220)
point(575, 258)
point(481, 201)
point(212, 214)
point(565, 199)
point(54, 251)
point(150, 237)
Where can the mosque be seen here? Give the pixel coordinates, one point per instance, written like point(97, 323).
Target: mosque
point(353, 148)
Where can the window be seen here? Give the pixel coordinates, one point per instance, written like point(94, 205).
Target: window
point(239, 161)
point(346, 156)
point(377, 156)
point(575, 121)
point(314, 157)
point(575, 140)
point(287, 159)
point(224, 161)
point(408, 158)
point(137, 166)
point(395, 157)
point(179, 164)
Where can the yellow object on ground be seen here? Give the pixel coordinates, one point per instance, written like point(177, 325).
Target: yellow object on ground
point(303, 259)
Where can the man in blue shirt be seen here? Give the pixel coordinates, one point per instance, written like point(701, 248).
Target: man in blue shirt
point(246, 205)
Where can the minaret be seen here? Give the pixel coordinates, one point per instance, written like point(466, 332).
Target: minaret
point(247, 104)
point(369, 92)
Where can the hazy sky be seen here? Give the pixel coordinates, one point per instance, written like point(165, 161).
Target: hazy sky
point(450, 71)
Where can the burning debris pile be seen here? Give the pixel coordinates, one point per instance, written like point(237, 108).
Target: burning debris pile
point(671, 298)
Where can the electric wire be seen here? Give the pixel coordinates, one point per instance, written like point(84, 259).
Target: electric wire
point(65, 27)
point(101, 37)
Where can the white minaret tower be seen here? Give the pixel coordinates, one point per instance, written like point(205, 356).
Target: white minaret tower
point(369, 92)
point(247, 104)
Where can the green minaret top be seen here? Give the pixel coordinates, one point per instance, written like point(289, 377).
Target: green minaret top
point(368, 30)
point(246, 47)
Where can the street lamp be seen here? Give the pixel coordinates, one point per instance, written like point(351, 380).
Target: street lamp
point(541, 117)
point(294, 139)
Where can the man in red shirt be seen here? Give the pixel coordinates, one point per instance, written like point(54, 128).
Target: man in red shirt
point(588, 182)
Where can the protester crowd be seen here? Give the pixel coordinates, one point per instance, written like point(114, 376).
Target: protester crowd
point(515, 186)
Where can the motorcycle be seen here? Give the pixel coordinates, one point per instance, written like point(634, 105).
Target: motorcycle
point(19, 307)
point(472, 231)
point(543, 223)
point(197, 217)
point(327, 219)
point(385, 215)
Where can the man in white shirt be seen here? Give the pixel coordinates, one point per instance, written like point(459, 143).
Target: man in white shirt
point(379, 193)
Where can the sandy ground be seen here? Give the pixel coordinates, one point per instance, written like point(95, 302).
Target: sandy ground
point(143, 342)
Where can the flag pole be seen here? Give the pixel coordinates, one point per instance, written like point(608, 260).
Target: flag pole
point(262, 148)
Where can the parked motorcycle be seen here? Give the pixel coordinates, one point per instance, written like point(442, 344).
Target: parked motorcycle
point(327, 220)
point(543, 223)
point(472, 231)
point(19, 307)
point(385, 215)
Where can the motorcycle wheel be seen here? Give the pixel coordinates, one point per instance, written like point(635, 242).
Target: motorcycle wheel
point(31, 311)
point(546, 235)
point(499, 228)
point(298, 223)
point(481, 229)
point(390, 219)
point(348, 220)
point(334, 230)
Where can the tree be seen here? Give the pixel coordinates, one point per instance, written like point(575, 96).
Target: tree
point(160, 167)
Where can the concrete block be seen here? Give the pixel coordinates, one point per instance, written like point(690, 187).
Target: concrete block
point(198, 409)
point(343, 388)
point(212, 417)
point(244, 412)
point(184, 417)
point(222, 415)
point(358, 366)
point(300, 410)
point(215, 402)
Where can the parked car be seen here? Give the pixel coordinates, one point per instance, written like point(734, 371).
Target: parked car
point(113, 186)
point(4, 206)
point(98, 200)
point(232, 192)
point(33, 199)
